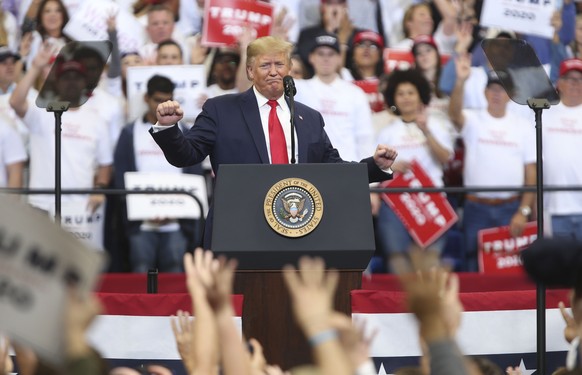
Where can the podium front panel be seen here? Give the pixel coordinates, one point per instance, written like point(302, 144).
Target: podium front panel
point(344, 236)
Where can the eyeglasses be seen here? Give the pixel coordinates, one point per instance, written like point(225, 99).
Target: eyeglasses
point(572, 80)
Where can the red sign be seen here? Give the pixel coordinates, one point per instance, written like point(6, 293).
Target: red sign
point(499, 251)
point(224, 20)
point(426, 215)
point(402, 59)
point(375, 98)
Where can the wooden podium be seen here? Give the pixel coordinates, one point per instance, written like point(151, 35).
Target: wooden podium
point(344, 238)
point(267, 314)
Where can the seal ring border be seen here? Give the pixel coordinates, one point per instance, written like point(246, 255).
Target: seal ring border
point(274, 192)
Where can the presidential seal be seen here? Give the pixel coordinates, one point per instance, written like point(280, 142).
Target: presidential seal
point(293, 207)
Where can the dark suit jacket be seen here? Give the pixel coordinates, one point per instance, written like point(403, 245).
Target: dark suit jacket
point(229, 129)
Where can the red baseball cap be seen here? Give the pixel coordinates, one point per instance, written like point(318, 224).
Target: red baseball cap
point(70, 65)
point(424, 39)
point(569, 65)
point(370, 36)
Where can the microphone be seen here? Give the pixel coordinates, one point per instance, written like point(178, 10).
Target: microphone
point(289, 86)
point(290, 91)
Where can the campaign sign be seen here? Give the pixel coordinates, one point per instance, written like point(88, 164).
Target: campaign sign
point(225, 20)
point(190, 81)
point(165, 206)
point(375, 98)
point(523, 16)
point(38, 261)
point(89, 22)
point(499, 251)
point(426, 215)
point(400, 59)
point(82, 224)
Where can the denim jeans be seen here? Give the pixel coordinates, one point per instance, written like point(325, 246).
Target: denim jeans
point(161, 250)
point(393, 236)
point(567, 226)
point(477, 216)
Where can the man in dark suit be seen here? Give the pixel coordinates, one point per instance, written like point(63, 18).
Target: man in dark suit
point(237, 129)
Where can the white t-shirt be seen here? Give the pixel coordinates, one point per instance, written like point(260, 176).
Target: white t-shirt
point(11, 116)
point(11, 149)
point(85, 145)
point(562, 141)
point(346, 112)
point(496, 150)
point(111, 109)
point(149, 157)
point(214, 90)
point(411, 144)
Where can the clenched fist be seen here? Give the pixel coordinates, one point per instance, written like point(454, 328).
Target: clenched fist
point(169, 113)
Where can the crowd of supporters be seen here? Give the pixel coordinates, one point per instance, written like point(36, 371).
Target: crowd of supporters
point(447, 110)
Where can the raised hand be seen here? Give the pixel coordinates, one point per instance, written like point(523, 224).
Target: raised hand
point(452, 308)
point(464, 37)
point(169, 113)
point(6, 365)
point(353, 338)
point(570, 331)
point(463, 67)
point(44, 55)
point(183, 329)
point(384, 156)
point(312, 291)
point(422, 119)
point(282, 24)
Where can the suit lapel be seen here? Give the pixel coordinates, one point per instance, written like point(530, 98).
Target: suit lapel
point(253, 122)
point(302, 136)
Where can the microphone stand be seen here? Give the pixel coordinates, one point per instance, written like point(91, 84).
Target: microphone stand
point(291, 103)
point(58, 108)
point(538, 105)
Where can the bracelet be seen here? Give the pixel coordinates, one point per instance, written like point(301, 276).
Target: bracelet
point(323, 336)
point(99, 186)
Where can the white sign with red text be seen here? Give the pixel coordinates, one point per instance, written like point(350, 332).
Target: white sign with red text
point(522, 16)
point(427, 216)
point(499, 252)
point(225, 20)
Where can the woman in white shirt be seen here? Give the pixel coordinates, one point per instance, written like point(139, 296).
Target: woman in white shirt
point(418, 136)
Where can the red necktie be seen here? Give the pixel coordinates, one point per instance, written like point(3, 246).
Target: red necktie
point(277, 137)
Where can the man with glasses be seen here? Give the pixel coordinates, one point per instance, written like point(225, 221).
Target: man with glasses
point(562, 141)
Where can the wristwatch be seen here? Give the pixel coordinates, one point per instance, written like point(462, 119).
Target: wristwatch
point(525, 210)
